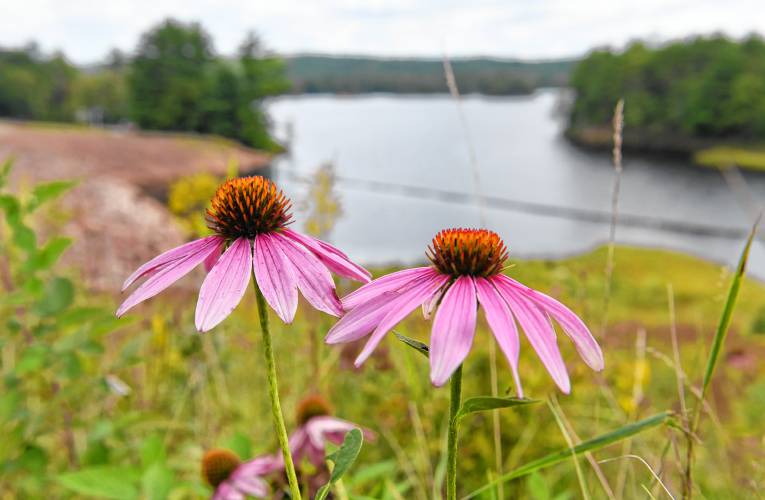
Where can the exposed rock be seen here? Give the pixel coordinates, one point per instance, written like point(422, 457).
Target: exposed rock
point(115, 228)
point(116, 221)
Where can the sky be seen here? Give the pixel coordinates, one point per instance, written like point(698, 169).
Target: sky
point(528, 29)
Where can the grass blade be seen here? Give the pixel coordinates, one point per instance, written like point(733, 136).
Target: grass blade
point(727, 313)
point(593, 444)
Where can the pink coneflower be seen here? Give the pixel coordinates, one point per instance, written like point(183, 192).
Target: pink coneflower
point(316, 427)
point(465, 272)
point(249, 216)
point(233, 479)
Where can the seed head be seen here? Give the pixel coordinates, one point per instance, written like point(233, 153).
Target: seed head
point(217, 466)
point(248, 206)
point(472, 252)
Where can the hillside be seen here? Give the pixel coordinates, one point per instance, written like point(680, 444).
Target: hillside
point(355, 75)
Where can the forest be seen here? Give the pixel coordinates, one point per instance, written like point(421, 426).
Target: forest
point(680, 95)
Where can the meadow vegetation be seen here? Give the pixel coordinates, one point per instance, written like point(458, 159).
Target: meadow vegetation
point(95, 406)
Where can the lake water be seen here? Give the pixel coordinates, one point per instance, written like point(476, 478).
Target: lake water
point(404, 172)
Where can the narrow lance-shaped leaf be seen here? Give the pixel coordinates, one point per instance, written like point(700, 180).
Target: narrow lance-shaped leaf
point(414, 344)
point(343, 458)
point(48, 191)
point(727, 313)
point(486, 403)
point(591, 445)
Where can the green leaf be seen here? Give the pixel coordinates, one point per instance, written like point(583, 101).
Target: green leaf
point(487, 403)
point(10, 205)
point(59, 295)
point(103, 482)
point(48, 255)
point(343, 459)
point(727, 313)
point(5, 170)
point(43, 193)
point(157, 482)
point(34, 358)
point(421, 347)
point(152, 451)
point(24, 238)
point(566, 453)
point(240, 444)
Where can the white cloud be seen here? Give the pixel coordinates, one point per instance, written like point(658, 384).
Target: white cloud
point(86, 29)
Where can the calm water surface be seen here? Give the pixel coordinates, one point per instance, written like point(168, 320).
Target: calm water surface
point(405, 172)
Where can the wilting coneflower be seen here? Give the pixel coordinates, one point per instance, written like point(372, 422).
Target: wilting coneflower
point(233, 479)
point(249, 217)
point(317, 427)
point(466, 271)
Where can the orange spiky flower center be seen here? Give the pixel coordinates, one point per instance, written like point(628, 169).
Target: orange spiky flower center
point(467, 252)
point(248, 206)
point(217, 466)
point(312, 406)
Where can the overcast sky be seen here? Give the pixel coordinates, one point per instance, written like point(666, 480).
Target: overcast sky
point(530, 29)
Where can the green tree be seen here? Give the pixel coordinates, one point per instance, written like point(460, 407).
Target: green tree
point(168, 76)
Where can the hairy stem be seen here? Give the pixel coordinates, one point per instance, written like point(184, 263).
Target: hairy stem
point(273, 393)
point(451, 461)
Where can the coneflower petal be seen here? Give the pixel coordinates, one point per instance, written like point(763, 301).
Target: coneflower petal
point(538, 330)
point(173, 255)
point(453, 330)
point(335, 260)
point(406, 302)
point(224, 286)
point(275, 278)
point(502, 324)
point(313, 277)
point(571, 324)
point(361, 320)
point(165, 274)
point(212, 259)
point(334, 429)
point(389, 282)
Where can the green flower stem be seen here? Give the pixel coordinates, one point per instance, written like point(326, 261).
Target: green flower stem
point(273, 393)
point(451, 461)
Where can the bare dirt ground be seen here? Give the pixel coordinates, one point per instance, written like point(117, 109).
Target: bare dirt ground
point(114, 214)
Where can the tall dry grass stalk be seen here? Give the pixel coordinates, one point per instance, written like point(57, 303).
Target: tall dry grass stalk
point(618, 127)
point(451, 83)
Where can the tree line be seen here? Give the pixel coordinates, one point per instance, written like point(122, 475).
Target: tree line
point(357, 75)
point(173, 81)
point(702, 87)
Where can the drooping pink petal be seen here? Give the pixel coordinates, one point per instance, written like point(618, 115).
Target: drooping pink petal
point(226, 491)
point(571, 324)
point(538, 330)
point(313, 278)
point(361, 320)
point(453, 330)
point(297, 443)
point(260, 466)
point(334, 259)
point(333, 429)
point(163, 275)
point(275, 278)
point(172, 256)
point(502, 324)
point(389, 282)
point(212, 259)
point(399, 308)
point(224, 286)
point(251, 486)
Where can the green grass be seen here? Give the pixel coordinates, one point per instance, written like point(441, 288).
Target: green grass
point(749, 158)
point(192, 392)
